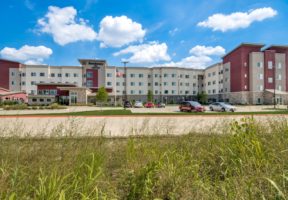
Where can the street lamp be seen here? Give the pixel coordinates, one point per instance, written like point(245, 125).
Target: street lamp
point(275, 87)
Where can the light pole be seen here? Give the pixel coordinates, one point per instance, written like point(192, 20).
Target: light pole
point(275, 87)
point(125, 62)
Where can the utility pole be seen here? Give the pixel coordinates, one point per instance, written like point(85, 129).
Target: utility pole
point(125, 62)
point(275, 87)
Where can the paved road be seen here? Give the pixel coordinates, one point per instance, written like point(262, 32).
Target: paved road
point(115, 126)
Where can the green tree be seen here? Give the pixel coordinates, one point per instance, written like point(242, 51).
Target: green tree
point(202, 97)
point(150, 95)
point(102, 96)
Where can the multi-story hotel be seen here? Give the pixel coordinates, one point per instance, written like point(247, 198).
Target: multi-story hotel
point(247, 75)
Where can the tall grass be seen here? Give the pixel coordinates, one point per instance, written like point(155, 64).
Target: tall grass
point(249, 160)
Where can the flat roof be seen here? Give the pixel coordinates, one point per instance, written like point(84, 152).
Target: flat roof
point(276, 46)
point(244, 44)
point(158, 67)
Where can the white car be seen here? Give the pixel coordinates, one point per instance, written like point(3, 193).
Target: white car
point(221, 106)
point(138, 104)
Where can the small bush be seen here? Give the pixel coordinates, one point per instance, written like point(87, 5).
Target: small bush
point(16, 107)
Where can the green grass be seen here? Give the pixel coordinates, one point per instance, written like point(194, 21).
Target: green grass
point(129, 113)
point(251, 162)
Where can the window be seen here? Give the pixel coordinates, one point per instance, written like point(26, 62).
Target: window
point(34, 100)
point(109, 74)
point(214, 82)
point(173, 92)
point(181, 84)
point(209, 74)
point(33, 83)
point(124, 83)
point(89, 83)
point(52, 75)
point(141, 75)
point(279, 77)
point(132, 92)
point(89, 75)
point(149, 84)
point(140, 84)
point(156, 91)
point(23, 83)
point(155, 75)
point(245, 64)
point(270, 80)
point(209, 83)
point(75, 75)
point(261, 76)
point(181, 75)
point(173, 83)
point(132, 75)
point(41, 100)
point(270, 65)
point(12, 83)
point(166, 91)
point(260, 87)
point(12, 73)
point(59, 75)
point(187, 84)
point(67, 75)
point(140, 92)
point(33, 73)
point(195, 77)
point(149, 76)
point(42, 74)
point(117, 84)
point(194, 85)
point(280, 87)
point(165, 75)
point(165, 83)
point(245, 75)
point(156, 84)
point(259, 64)
point(186, 92)
point(214, 91)
point(173, 75)
point(214, 73)
point(48, 100)
point(132, 83)
point(245, 87)
point(186, 76)
point(109, 83)
point(279, 65)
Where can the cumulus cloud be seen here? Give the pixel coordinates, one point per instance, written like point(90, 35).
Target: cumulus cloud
point(65, 28)
point(237, 20)
point(27, 54)
point(146, 53)
point(203, 50)
point(201, 57)
point(119, 31)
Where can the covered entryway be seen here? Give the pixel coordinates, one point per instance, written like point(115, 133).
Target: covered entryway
point(76, 95)
point(281, 97)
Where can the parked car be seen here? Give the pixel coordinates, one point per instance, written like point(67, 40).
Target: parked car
point(160, 105)
point(190, 106)
point(138, 104)
point(149, 105)
point(127, 104)
point(221, 106)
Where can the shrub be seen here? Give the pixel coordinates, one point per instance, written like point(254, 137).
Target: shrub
point(16, 107)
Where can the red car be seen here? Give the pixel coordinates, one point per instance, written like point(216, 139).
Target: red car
point(190, 106)
point(149, 105)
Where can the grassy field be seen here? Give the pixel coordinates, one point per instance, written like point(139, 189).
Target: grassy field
point(129, 113)
point(250, 162)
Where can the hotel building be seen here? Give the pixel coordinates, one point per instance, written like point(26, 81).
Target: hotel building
point(248, 75)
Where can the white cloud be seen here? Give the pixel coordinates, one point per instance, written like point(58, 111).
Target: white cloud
point(233, 21)
point(203, 50)
point(27, 54)
point(146, 53)
point(64, 27)
point(173, 32)
point(201, 57)
point(119, 31)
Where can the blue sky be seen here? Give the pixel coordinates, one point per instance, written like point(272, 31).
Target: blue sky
point(189, 33)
